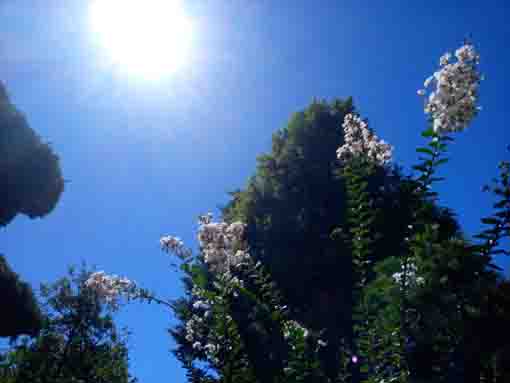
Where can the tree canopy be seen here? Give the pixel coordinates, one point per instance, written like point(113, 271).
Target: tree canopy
point(78, 341)
point(20, 311)
point(30, 173)
point(296, 200)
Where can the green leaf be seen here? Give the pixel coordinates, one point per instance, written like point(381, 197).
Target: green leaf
point(434, 145)
point(430, 194)
point(490, 221)
point(421, 168)
point(428, 133)
point(248, 294)
point(441, 161)
point(199, 276)
point(425, 150)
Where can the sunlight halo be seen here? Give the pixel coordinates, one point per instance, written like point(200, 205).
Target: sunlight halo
point(148, 38)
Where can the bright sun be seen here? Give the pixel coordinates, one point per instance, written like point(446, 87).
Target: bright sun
point(150, 38)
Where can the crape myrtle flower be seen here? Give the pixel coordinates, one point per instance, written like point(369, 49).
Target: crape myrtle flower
point(411, 279)
point(360, 140)
point(222, 244)
point(453, 98)
point(110, 288)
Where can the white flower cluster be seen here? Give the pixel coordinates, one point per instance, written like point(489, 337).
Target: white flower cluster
point(111, 287)
point(453, 102)
point(294, 331)
point(201, 339)
point(200, 331)
point(201, 305)
point(291, 326)
point(222, 244)
point(411, 279)
point(223, 249)
point(174, 245)
point(359, 140)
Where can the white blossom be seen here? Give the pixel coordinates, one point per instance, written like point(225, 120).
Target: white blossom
point(445, 59)
point(291, 326)
point(466, 53)
point(322, 343)
point(111, 287)
point(427, 82)
point(201, 305)
point(210, 348)
point(222, 244)
point(197, 345)
point(205, 219)
point(359, 140)
point(174, 245)
point(411, 278)
point(452, 103)
point(224, 250)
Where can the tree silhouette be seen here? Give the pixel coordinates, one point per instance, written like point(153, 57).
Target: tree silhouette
point(30, 173)
point(20, 312)
point(31, 184)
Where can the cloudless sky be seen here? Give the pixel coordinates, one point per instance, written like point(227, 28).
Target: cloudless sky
point(145, 158)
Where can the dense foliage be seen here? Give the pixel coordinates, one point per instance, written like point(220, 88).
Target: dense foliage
point(30, 173)
point(78, 341)
point(20, 311)
point(295, 208)
point(333, 266)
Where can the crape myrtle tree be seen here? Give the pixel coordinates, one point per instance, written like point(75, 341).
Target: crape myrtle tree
point(295, 208)
point(447, 290)
point(78, 341)
point(332, 266)
point(31, 184)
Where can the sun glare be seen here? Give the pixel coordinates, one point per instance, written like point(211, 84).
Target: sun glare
point(149, 38)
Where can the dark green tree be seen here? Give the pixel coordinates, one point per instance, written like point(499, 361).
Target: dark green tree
point(20, 311)
point(454, 332)
point(31, 184)
point(30, 173)
point(497, 339)
point(77, 343)
point(295, 207)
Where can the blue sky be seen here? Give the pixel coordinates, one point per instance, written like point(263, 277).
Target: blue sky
point(145, 158)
